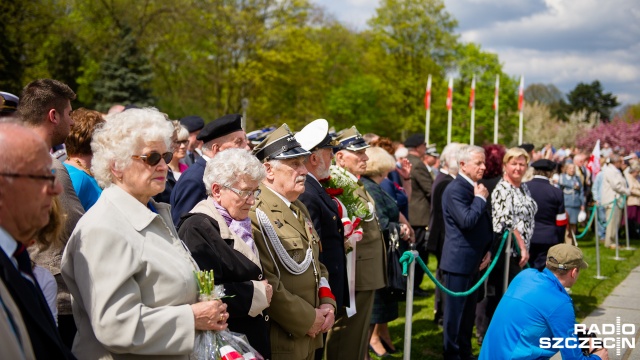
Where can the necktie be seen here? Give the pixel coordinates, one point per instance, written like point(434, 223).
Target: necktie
point(192, 157)
point(24, 262)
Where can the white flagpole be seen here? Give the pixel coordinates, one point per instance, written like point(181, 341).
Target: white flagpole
point(449, 107)
point(472, 104)
point(427, 105)
point(495, 107)
point(521, 108)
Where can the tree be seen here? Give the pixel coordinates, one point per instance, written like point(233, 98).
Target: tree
point(124, 77)
point(591, 97)
point(617, 133)
point(550, 96)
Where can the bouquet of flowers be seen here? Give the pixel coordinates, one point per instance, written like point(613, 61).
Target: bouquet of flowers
point(342, 189)
point(219, 345)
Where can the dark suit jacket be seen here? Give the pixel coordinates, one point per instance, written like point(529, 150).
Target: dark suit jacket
point(436, 226)
point(328, 225)
point(468, 229)
point(215, 247)
point(188, 191)
point(550, 202)
point(187, 159)
point(37, 317)
point(420, 201)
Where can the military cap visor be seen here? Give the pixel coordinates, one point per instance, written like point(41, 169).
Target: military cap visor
point(279, 148)
point(8, 103)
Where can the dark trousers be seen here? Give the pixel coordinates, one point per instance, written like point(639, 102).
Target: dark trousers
point(421, 246)
point(67, 329)
point(538, 255)
point(459, 315)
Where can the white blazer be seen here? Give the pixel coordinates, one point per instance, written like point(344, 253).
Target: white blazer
point(131, 281)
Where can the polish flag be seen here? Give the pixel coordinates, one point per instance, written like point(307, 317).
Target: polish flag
point(594, 160)
point(472, 96)
point(521, 93)
point(427, 96)
point(495, 98)
point(450, 94)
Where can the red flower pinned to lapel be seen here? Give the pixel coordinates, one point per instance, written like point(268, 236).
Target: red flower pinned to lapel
point(334, 191)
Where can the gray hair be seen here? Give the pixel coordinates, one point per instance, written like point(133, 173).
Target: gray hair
point(465, 153)
point(230, 165)
point(122, 136)
point(448, 156)
point(401, 152)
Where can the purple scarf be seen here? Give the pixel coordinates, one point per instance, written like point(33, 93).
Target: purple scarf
point(241, 228)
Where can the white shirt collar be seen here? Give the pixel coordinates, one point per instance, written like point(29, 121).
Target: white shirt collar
point(467, 178)
point(540, 177)
point(8, 244)
point(206, 158)
point(444, 171)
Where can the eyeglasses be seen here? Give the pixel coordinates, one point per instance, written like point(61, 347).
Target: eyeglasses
point(50, 178)
point(244, 194)
point(181, 142)
point(153, 158)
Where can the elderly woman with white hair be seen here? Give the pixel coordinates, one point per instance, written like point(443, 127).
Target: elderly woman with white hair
point(218, 233)
point(131, 278)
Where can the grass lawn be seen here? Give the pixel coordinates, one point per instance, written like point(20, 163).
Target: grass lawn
point(587, 294)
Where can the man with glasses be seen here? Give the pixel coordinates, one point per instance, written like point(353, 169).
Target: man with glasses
point(27, 188)
point(45, 107)
point(302, 307)
point(223, 133)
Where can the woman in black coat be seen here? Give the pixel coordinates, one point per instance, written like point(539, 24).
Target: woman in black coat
point(217, 231)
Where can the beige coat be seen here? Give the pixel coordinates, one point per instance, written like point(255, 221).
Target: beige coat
point(613, 184)
point(295, 297)
point(634, 188)
point(10, 347)
point(131, 281)
point(371, 255)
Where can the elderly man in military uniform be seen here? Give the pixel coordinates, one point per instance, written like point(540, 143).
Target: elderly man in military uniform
point(324, 212)
point(302, 307)
point(349, 337)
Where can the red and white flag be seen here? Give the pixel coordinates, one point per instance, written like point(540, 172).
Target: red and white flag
point(450, 94)
point(594, 160)
point(495, 98)
point(427, 96)
point(521, 93)
point(472, 96)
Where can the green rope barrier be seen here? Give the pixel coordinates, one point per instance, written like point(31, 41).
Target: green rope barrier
point(586, 228)
point(408, 257)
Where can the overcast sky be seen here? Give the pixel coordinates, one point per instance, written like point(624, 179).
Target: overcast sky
point(562, 42)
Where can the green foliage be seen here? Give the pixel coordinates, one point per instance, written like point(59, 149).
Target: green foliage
point(591, 97)
point(124, 76)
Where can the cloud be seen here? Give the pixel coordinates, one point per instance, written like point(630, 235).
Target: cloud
point(562, 42)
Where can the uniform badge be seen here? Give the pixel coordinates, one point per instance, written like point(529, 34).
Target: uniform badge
point(278, 223)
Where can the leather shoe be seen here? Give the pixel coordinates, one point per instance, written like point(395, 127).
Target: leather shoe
point(385, 354)
point(387, 347)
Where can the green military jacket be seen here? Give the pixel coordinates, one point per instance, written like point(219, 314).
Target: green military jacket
point(371, 255)
point(295, 297)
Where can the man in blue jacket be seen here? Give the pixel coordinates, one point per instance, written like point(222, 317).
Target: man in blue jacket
point(536, 306)
point(468, 237)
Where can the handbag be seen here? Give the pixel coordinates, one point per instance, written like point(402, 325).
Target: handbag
point(396, 282)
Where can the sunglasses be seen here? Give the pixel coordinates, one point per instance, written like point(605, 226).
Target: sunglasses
point(153, 158)
point(181, 142)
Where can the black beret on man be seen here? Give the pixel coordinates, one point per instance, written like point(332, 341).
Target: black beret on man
point(414, 140)
point(220, 127)
point(527, 147)
point(544, 165)
point(192, 123)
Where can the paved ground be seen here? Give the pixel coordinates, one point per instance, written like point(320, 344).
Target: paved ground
point(623, 302)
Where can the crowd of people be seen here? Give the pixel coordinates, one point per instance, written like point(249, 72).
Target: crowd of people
point(104, 218)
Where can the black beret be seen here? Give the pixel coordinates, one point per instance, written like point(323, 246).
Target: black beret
point(544, 165)
point(414, 140)
point(527, 147)
point(192, 123)
point(131, 106)
point(220, 127)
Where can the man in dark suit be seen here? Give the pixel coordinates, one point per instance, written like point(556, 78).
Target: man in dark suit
point(551, 218)
point(193, 124)
point(422, 177)
point(435, 242)
point(468, 237)
point(27, 188)
point(220, 134)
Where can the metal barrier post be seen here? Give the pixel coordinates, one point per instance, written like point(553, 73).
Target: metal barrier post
point(507, 259)
point(408, 314)
point(598, 276)
point(626, 227)
point(617, 257)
